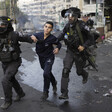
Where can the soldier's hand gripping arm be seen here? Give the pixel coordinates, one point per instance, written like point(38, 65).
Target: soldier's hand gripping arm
point(34, 38)
point(81, 48)
point(58, 47)
point(25, 38)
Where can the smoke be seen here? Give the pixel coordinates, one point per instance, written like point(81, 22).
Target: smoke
point(38, 24)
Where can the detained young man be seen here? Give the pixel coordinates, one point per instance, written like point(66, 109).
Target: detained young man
point(46, 53)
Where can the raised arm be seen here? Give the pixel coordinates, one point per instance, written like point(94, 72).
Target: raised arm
point(25, 38)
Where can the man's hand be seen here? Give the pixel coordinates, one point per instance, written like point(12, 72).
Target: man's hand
point(34, 38)
point(55, 51)
point(80, 48)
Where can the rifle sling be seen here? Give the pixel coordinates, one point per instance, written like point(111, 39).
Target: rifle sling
point(79, 33)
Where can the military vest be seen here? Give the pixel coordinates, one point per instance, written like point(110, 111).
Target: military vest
point(7, 50)
point(72, 39)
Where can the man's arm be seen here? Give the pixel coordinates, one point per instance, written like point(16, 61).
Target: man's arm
point(61, 36)
point(89, 38)
point(34, 38)
point(58, 47)
point(25, 38)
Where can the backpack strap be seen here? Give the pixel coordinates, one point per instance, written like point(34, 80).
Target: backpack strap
point(71, 31)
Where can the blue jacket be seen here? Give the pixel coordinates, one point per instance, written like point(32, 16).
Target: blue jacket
point(44, 47)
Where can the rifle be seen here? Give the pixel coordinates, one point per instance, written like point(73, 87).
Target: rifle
point(86, 53)
point(90, 58)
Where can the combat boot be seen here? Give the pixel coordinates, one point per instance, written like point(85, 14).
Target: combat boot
point(45, 96)
point(18, 97)
point(85, 78)
point(6, 105)
point(64, 96)
point(55, 87)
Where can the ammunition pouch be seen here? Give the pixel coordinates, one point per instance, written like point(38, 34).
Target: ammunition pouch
point(8, 56)
point(72, 43)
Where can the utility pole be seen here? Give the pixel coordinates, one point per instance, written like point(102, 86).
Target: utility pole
point(103, 16)
point(12, 12)
point(41, 7)
point(11, 8)
point(96, 12)
point(2, 8)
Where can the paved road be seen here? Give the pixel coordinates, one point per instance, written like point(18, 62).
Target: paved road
point(91, 97)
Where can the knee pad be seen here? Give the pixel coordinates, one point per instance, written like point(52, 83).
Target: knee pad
point(65, 73)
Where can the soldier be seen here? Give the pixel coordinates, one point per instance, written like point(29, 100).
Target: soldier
point(95, 33)
point(77, 38)
point(11, 60)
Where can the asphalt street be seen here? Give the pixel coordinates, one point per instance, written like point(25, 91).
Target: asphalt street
point(94, 96)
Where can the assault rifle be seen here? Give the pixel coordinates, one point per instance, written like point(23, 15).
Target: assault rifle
point(86, 53)
point(90, 58)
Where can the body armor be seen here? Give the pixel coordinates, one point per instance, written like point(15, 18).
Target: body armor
point(7, 50)
point(72, 39)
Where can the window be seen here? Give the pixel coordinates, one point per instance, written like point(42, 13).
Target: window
point(68, 0)
point(93, 1)
point(86, 2)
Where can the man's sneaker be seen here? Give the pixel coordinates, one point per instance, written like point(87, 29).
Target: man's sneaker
point(44, 96)
point(63, 96)
point(85, 78)
point(55, 87)
point(6, 105)
point(18, 97)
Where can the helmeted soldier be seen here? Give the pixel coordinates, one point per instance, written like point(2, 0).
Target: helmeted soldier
point(10, 58)
point(73, 33)
point(96, 34)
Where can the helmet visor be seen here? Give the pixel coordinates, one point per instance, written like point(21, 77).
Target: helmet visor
point(70, 13)
point(3, 26)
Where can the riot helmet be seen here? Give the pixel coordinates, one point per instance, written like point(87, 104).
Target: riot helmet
point(5, 23)
point(72, 12)
point(90, 23)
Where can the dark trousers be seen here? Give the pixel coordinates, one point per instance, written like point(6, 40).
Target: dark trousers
point(46, 65)
point(9, 81)
point(69, 59)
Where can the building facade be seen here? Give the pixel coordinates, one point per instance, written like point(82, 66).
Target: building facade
point(50, 9)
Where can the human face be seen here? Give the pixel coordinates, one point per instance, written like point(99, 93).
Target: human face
point(72, 19)
point(47, 28)
point(85, 18)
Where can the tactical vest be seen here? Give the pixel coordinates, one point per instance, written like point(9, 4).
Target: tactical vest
point(7, 50)
point(72, 39)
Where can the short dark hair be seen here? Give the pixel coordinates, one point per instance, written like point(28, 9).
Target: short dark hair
point(49, 22)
